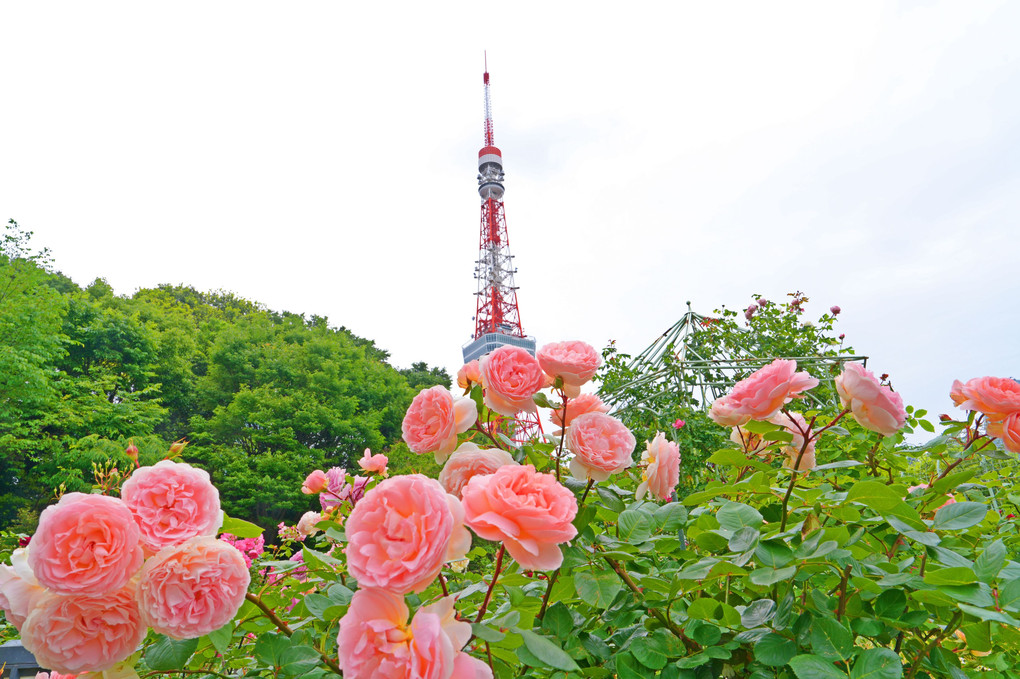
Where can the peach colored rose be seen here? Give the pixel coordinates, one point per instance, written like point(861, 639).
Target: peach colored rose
point(374, 463)
point(511, 377)
point(468, 375)
point(530, 513)
point(585, 403)
point(434, 419)
point(19, 590)
point(74, 633)
point(601, 444)
point(749, 442)
point(956, 393)
point(875, 407)
point(1008, 430)
point(172, 502)
point(807, 461)
point(402, 532)
point(574, 362)
point(762, 394)
point(306, 524)
point(662, 470)
point(193, 588)
point(85, 544)
point(469, 460)
point(375, 640)
point(797, 426)
point(996, 397)
point(315, 482)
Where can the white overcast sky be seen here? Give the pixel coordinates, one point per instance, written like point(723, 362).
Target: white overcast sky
point(319, 157)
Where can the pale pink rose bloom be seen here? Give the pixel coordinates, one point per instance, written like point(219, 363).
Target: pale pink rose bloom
point(338, 491)
point(875, 407)
point(375, 640)
point(193, 588)
point(602, 446)
point(749, 442)
point(530, 513)
point(574, 362)
point(762, 394)
point(807, 461)
point(796, 425)
point(585, 403)
point(85, 544)
point(306, 524)
point(956, 393)
point(662, 472)
point(315, 482)
point(511, 377)
point(19, 590)
point(996, 397)
point(74, 633)
point(402, 532)
point(469, 460)
point(434, 419)
point(374, 463)
point(172, 502)
point(468, 375)
point(1008, 430)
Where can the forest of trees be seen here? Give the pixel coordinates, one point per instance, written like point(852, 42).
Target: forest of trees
point(262, 397)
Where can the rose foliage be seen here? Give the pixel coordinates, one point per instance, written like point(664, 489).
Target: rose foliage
point(821, 546)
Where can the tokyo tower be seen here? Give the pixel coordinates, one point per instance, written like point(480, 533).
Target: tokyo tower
point(497, 316)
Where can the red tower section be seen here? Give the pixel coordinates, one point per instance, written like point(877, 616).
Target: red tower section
point(497, 316)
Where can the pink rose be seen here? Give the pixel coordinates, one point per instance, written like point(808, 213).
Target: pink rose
point(797, 426)
point(375, 640)
point(601, 444)
point(250, 548)
point(434, 419)
point(762, 394)
point(19, 590)
point(585, 403)
point(402, 532)
point(875, 407)
point(530, 513)
point(306, 524)
point(468, 375)
point(574, 362)
point(74, 633)
point(193, 588)
point(468, 461)
point(1008, 430)
point(511, 377)
point(339, 491)
point(373, 463)
point(85, 544)
point(679, 424)
point(315, 482)
point(172, 502)
point(662, 472)
point(996, 397)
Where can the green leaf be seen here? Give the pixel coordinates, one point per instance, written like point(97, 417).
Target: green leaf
point(270, 647)
point(671, 517)
point(985, 614)
point(489, 634)
point(770, 576)
point(728, 457)
point(959, 515)
point(1009, 595)
point(890, 604)
point(950, 576)
point(650, 652)
point(298, 660)
point(628, 667)
point(773, 553)
point(635, 526)
point(830, 639)
point(991, 561)
point(239, 528)
point(169, 654)
point(774, 650)
point(756, 427)
point(542, 401)
point(878, 496)
point(733, 516)
point(610, 499)
point(809, 666)
point(744, 539)
point(597, 589)
point(558, 620)
point(758, 613)
point(877, 663)
point(546, 651)
point(220, 638)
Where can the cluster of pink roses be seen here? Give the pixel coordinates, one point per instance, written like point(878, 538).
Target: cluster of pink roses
point(998, 399)
point(100, 570)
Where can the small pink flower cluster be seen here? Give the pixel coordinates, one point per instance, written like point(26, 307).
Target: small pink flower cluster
point(101, 570)
point(998, 399)
point(250, 548)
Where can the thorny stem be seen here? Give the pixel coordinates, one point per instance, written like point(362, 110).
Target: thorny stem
point(563, 435)
point(285, 628)
point(485, 431)
point(841, 608)
point(548, 591)
point(591, 482)
point(654, 612)
point(945, 632)
point(492, 584)
point(442, 584)
point(793, 475)
point(836, 419)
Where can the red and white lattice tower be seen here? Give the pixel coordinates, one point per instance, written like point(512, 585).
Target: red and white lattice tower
point(497, 317)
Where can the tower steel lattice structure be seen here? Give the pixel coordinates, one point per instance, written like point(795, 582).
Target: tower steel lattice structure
point(497, 315)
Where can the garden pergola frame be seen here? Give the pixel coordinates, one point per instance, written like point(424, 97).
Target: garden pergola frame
point(673, 362)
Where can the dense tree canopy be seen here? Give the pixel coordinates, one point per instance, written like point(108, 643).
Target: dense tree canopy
point(262, 396)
